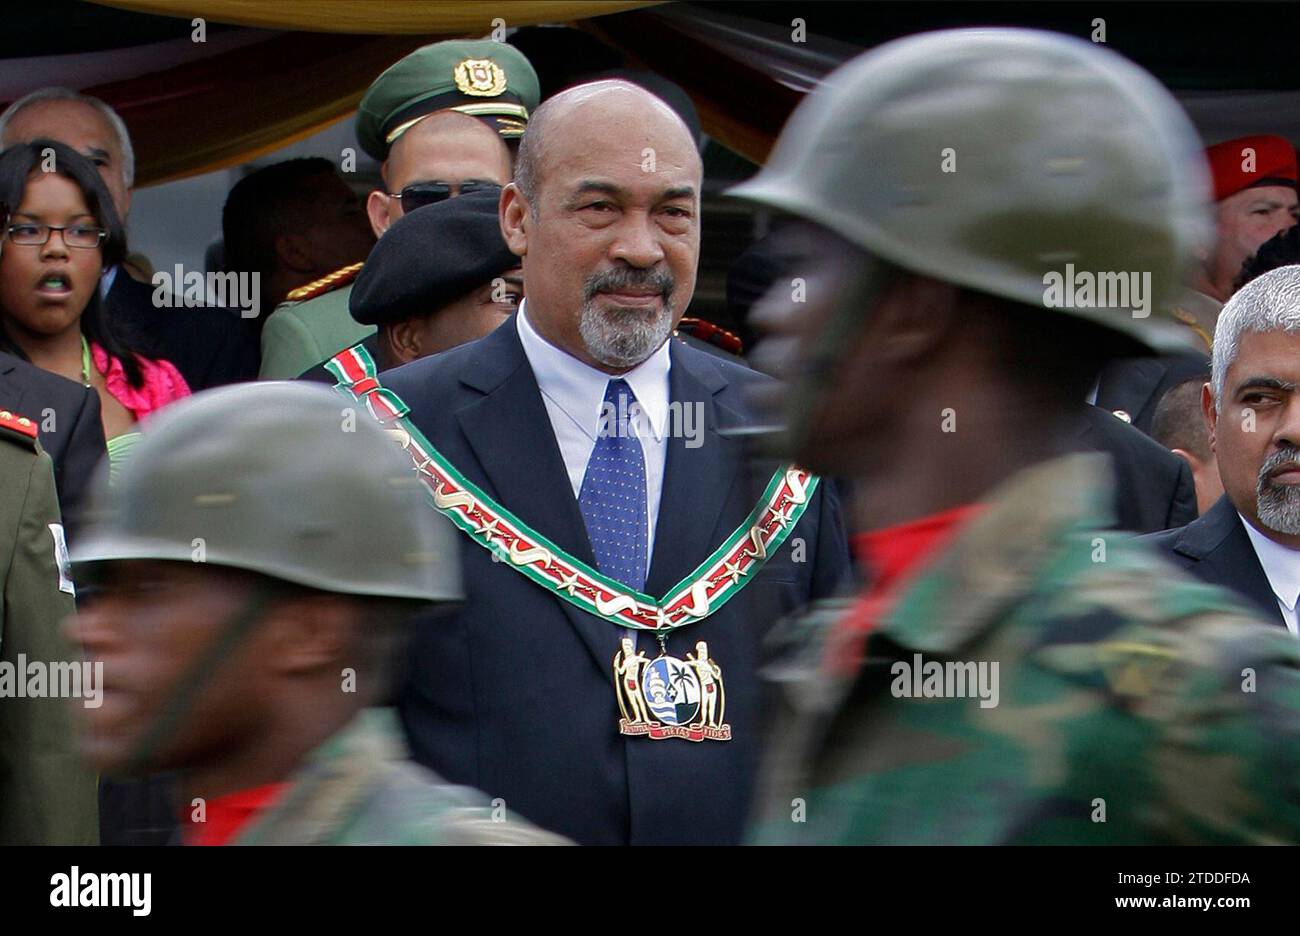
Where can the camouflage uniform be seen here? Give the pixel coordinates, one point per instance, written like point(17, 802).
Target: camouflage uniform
point(1123, 687)
point(360, 788)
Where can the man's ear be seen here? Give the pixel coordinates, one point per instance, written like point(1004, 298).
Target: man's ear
point(292, 253)
point(914, 316)
point(403, 339)
point(514, 215)
point(310, 632)
point(1210, 414)
point(377, 203)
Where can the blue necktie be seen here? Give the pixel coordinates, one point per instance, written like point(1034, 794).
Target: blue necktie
point(612, 498)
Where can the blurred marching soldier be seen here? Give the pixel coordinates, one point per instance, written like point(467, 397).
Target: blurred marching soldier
point(439, 121)
point(47, 794)
point(1255, 199)
point(441, 276)
point(596, 525)
point(1009, 675)
point(246, 639)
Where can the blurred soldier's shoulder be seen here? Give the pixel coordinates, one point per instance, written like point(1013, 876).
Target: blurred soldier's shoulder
point(359, 788)
point(1042, 682)
point(414, 806)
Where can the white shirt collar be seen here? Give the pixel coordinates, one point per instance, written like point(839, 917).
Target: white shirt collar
point(579, 389)
point(1281, 565)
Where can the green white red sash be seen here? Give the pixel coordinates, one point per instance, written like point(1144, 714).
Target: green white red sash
point(714, 581)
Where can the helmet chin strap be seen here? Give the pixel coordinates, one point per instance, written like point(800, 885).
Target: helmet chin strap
point(187, 688)
point(829, 349)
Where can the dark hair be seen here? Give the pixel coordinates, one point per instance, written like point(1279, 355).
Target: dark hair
point(262, 205)
point(17, 165)
point(1278, 251)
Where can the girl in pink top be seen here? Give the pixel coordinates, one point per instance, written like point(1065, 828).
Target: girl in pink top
point(60, 232)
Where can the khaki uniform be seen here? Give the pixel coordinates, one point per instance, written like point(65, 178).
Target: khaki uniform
point(47, 795)
point(311, 327)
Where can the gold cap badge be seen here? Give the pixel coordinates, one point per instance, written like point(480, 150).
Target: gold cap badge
point(480, 78)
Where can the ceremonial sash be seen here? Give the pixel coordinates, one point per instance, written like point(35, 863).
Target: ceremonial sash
point(712, 584)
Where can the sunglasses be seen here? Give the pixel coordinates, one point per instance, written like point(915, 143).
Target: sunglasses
point(418, 194)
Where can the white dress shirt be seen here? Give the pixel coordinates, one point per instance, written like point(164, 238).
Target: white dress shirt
point(574, 393)
point(1282, 568)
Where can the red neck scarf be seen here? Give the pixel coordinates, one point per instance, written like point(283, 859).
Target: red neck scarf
point(889, 557)
point(226, 816)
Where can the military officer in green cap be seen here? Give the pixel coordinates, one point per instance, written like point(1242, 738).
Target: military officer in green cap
point(972, 201)
point(47, 793)
point(254, 572)
point(441, 122)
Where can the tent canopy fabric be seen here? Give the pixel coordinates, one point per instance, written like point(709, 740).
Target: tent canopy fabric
point(383, 17)
point(266, 74)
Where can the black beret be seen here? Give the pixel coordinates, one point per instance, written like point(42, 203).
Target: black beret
point(431, 257)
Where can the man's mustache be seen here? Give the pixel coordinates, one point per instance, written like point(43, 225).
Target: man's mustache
point(662, 281)
point(1282, 458)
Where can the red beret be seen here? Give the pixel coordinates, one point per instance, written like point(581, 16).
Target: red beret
point(1251, 161)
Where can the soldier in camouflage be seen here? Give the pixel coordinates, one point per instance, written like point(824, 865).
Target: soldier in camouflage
point(1009, 675)
point(253, 574)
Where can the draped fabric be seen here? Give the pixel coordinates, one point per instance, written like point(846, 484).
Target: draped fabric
point(385, 17)
point(745, 76)
point(228, 109)
point(193, 107)
point(253, 85)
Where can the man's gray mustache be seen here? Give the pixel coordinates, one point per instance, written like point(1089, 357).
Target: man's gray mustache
point(604, 282)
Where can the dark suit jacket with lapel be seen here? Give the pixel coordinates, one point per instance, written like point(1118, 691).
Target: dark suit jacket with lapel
point(1216, 548)
point(1135, 385)
point(74, 437)
point(210, 346)
point(1154, 488)
point(514, 693)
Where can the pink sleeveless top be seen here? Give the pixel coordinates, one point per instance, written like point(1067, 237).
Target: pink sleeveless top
point(163, 383)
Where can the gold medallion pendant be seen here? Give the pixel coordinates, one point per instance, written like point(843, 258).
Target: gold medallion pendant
point(670, 698)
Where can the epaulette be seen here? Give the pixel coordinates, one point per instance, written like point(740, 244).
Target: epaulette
point(18, 429)
point(1182, 315)
point(715, 335)
point(326, 283)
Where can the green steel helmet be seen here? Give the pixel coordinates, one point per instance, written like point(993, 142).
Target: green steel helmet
point(1014, 162)
point(289, 480)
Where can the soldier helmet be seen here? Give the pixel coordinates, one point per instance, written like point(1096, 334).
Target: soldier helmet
point(992, 158)
point(284, 479)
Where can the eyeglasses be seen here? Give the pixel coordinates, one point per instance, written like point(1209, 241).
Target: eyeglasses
point(76, 235)
point(419, 194)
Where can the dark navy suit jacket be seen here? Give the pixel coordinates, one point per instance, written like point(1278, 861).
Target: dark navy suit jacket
point(514, 692)
point(1216, 548)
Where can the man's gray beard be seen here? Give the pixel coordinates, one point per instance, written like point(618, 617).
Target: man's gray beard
point(1278, 507)
point(623, 339)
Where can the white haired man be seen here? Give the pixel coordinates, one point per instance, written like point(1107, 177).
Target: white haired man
point(1249, 541)
point(209, 346)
